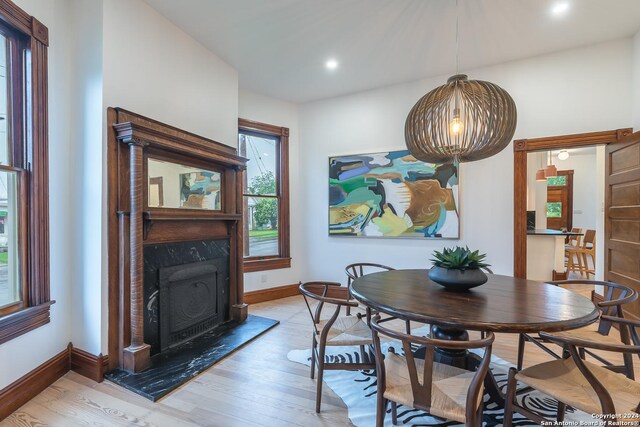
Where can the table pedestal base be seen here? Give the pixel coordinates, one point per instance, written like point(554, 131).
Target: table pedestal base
point(462, 359)
point(457, 358)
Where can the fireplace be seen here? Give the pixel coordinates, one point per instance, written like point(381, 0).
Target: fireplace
point(175, 238)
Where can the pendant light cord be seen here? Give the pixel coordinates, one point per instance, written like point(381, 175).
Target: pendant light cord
point(457, 18)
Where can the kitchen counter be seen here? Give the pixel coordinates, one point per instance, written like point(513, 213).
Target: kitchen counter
point(548, 232)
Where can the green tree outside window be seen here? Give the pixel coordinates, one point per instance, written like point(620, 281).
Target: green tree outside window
point(554, 210)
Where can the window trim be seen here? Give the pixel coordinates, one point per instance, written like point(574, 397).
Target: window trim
point(32, 157)
point(283, 259)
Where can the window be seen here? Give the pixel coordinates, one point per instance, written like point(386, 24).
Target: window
point(554, 210)
point(266, 195)
point(557, 181)
point(24, 239)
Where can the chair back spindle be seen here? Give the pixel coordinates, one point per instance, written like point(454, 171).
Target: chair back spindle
point(360, 269)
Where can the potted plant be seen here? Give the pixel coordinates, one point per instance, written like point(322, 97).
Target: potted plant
point(458, 268)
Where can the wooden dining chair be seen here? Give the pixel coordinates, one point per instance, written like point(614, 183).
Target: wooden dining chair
point(581, 253)
point(581, 384)
point(439, 389)
point(360, 269)
point(572, 241)
point(614, 298)
point(335, 331)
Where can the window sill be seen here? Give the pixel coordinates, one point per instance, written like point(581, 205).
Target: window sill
point(252, 265)
point(18, 323)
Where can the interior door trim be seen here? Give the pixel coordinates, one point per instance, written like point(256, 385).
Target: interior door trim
point(523, 146)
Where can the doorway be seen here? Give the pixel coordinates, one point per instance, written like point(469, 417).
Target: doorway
point(565, 190)
point(621, 205)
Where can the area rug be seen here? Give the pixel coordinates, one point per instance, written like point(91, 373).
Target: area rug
point(358, 391)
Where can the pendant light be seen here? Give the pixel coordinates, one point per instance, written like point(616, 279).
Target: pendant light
point(461, 121)
point(540, 172)
point(550, 171)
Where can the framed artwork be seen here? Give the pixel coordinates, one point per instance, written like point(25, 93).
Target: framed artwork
point(391, 194)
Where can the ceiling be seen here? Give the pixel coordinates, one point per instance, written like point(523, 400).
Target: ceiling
point(279, 47)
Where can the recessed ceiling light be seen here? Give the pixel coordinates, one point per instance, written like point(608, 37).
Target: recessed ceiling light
point(331, 64)
point(560, 8)
point(563, 155)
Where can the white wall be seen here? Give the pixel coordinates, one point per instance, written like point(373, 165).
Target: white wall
point(22, 354)
point(537, 190)
point(87, 156)
point(534, 163)
point(576, 91)
point(153, 68)
point(585, 187)
point(253, 106)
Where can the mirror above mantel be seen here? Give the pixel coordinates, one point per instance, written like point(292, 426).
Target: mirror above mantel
point(177, 186)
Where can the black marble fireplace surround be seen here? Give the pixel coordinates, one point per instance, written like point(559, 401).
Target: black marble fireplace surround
point(186, 291)
point(186, 321)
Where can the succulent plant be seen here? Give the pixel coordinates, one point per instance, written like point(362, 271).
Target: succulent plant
point(459, 258)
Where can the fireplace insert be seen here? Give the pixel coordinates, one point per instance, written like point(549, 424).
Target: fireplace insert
point(191, 300)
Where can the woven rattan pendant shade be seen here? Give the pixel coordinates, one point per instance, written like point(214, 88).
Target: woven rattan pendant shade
point(461, 121)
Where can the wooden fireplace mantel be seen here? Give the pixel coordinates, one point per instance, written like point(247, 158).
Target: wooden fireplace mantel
point(170, 139)
point(132, 139)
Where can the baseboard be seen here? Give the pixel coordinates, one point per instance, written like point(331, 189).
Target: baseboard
point(271, 294)
point(87, 364)
point(555, 275)
point(29, 386)
point(26, 388)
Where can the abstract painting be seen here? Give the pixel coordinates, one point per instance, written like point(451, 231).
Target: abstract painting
point(391, 194)
point(200, 190)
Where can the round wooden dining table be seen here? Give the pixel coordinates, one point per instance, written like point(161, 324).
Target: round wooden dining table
point(503, 304)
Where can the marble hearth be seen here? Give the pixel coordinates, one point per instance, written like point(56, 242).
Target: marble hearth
point(171, 368)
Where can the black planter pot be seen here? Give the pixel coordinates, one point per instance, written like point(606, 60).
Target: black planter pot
point(457, 280)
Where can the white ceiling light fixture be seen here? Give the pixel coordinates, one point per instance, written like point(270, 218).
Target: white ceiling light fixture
point(563, 155)
point(331, 64)
point(560, 8)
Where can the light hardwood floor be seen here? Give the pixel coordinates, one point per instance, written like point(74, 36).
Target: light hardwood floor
point(255, 386)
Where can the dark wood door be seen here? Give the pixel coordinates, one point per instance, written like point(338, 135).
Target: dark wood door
point(560, 201)
point(622, 222)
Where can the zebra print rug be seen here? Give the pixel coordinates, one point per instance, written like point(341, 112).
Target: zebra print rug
point(358, 391)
